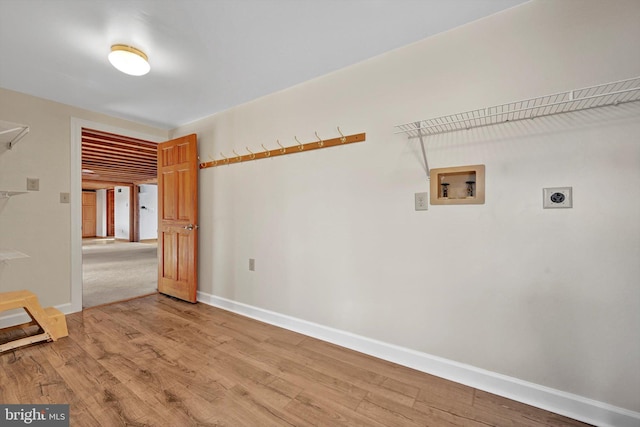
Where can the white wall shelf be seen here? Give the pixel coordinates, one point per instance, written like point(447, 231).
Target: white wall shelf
point(9, 254)
point(578, 99)
point(11, 133)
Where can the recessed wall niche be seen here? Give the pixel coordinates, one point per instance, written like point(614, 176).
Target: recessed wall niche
point(460, 185)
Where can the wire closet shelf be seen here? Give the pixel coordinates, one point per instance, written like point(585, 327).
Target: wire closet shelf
point(579, 99)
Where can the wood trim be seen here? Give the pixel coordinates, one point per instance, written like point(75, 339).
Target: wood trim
point(116, 159)
point(282, 151)
point(134, 213)
point(102, 185)
point(148, 181)
point(111, 214)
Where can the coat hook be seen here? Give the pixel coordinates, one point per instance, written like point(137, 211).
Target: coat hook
point(282, 149)
point(343, 138)
point(253, 156)
point(214, 161)
point(267, 153)
point(300, 146)
point(320, 141)
point(237, 156)
point(226, 160)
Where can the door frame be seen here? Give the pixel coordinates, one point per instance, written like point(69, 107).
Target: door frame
point(76, 195)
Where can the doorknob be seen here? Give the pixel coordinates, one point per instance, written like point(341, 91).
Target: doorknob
point(191, 227)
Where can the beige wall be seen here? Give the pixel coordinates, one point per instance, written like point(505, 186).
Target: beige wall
point(550, 297)
point(37, 223)
point(546, 296)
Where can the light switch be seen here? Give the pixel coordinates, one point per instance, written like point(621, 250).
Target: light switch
point(421, 201)
point(33, 184)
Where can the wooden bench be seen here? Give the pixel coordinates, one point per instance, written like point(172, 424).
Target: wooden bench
point(50, 320)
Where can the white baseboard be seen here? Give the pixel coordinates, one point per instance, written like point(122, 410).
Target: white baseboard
point(560, 402)
point(22, 317)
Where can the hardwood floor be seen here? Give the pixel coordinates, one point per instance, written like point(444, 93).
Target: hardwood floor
point(160, 362)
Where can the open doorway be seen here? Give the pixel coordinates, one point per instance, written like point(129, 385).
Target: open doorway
point(119, 217)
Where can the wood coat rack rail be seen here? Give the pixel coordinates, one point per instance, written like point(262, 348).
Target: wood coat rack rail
point(281, 151)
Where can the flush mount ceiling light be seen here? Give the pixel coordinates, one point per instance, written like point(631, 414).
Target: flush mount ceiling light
point(129, 60)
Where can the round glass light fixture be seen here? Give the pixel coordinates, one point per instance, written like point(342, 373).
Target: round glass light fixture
point(129, 60)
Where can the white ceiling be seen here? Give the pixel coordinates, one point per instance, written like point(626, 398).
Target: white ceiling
point(206, 55)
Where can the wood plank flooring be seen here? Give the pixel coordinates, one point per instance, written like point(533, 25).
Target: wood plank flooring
point(155, 361)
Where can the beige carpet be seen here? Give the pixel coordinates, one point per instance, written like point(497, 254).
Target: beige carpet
point(115, 271)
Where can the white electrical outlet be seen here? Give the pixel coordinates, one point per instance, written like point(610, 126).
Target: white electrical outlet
point(557, 197)
point(422, 201)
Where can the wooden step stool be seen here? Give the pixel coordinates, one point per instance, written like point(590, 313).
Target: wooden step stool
point(50, 319)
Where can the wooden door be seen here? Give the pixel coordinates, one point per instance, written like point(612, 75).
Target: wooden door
point(178, 218)
point(88, 214)
point(111, 213)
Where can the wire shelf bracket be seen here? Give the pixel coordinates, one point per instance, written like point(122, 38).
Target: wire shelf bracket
point(5, 194)
point(613, 93)
point(11, 133)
